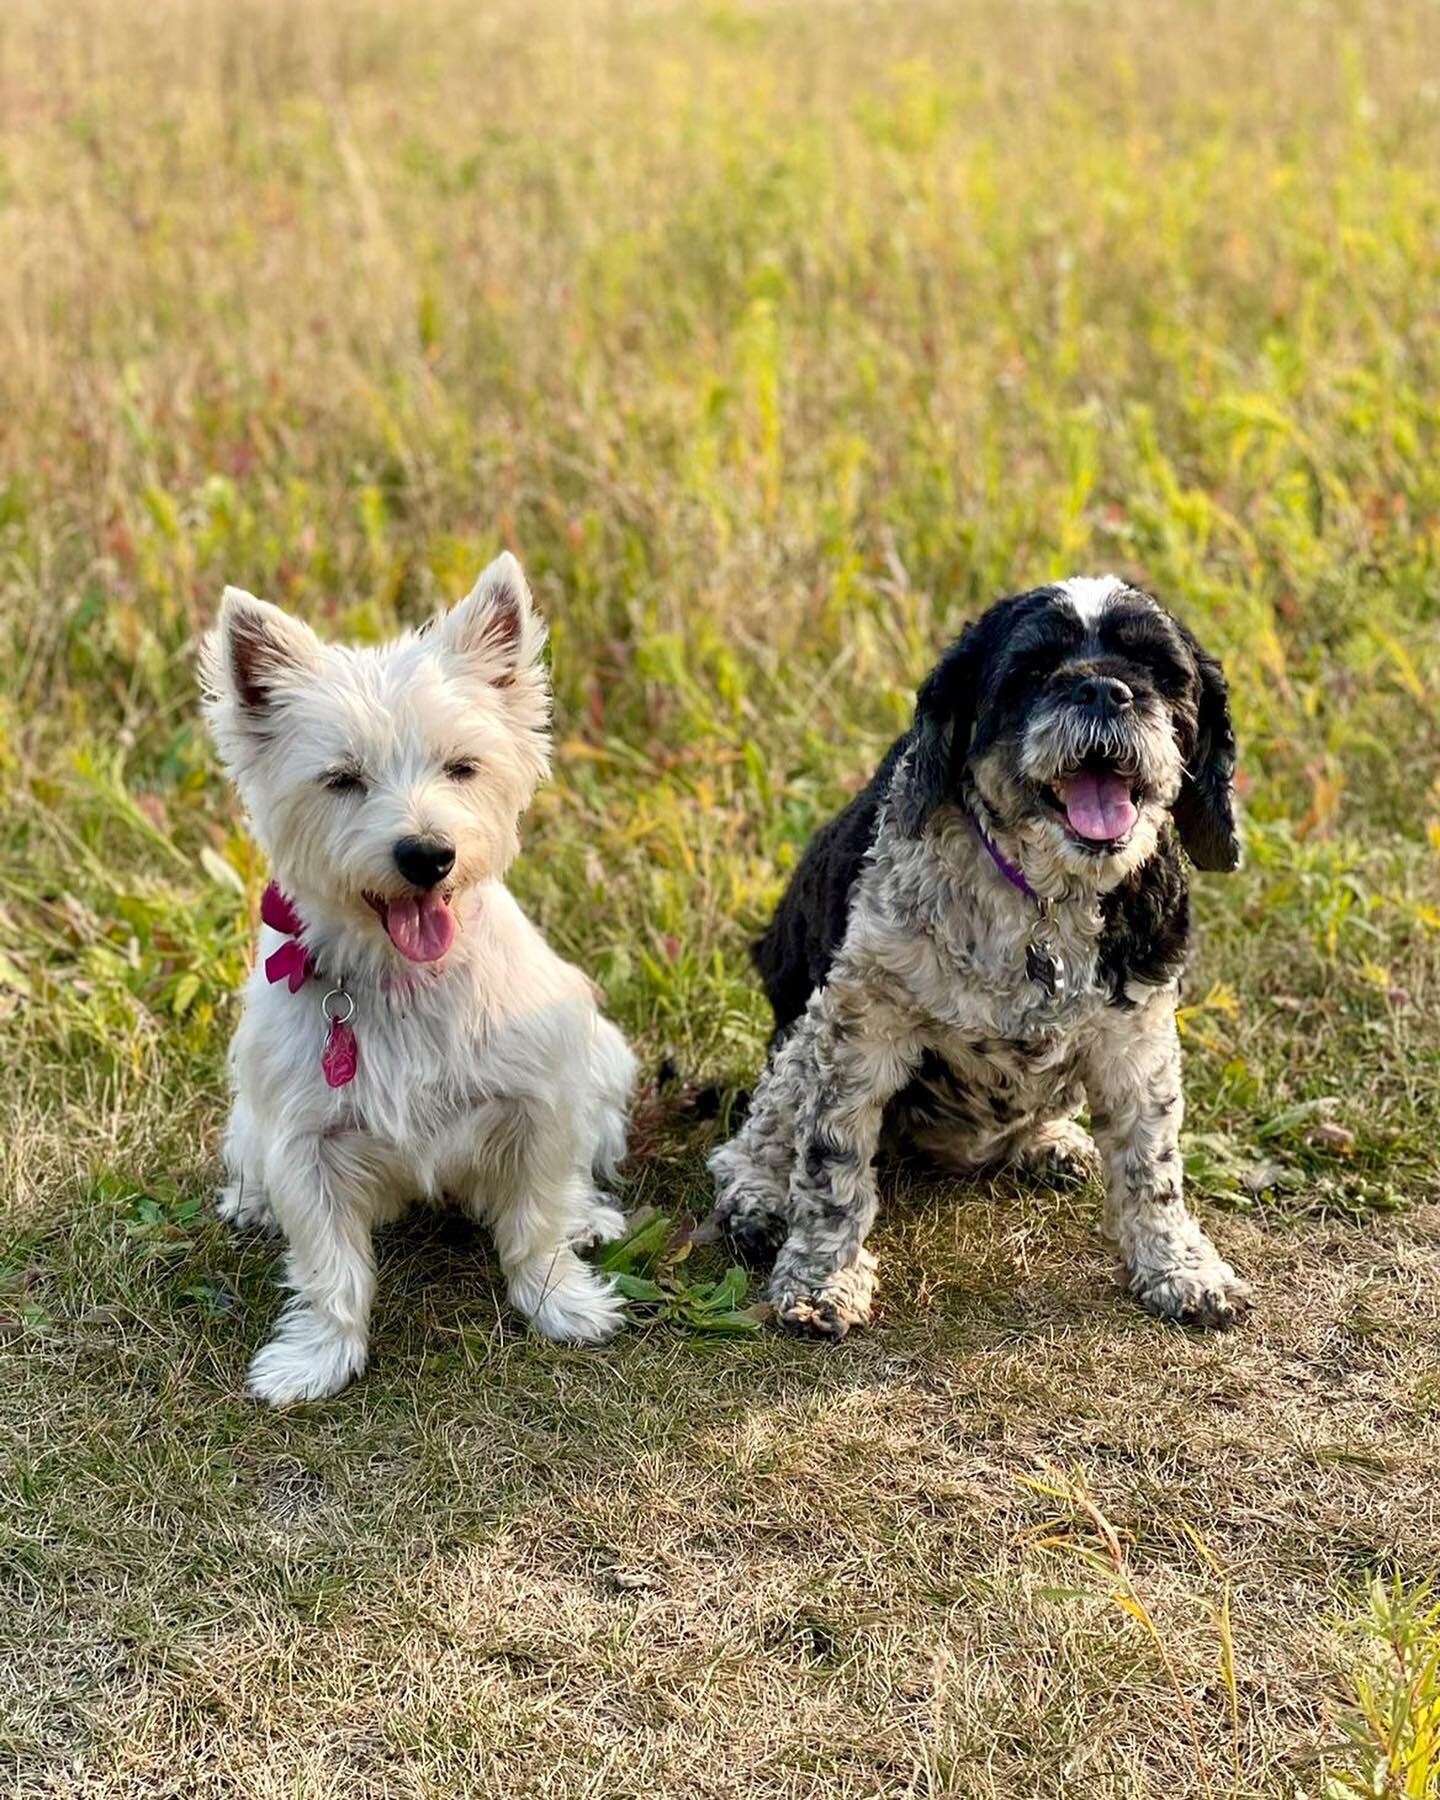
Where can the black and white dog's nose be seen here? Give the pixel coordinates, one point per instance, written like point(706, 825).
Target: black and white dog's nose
point(1105, 692)
point(424, 862)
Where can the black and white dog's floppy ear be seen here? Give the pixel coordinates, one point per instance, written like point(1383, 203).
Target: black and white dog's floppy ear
point(944, 721)
point(1204, 811)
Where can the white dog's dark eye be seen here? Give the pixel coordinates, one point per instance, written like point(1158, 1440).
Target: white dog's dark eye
point(343, 781)
point(462, 768)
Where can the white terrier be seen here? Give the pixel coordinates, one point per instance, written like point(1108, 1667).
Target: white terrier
point(407, 1031)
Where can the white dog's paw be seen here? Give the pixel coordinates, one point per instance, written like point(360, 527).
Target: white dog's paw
point(610, 1142)
point(309, 1358)
point(602, 1225)
point(569, 1302)
point(1207, 1292)
point(246, 1206)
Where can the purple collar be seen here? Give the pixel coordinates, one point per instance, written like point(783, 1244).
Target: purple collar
point(1014, 876)
point(1043, 961)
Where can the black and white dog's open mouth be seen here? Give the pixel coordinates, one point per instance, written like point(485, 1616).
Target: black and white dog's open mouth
point(1097, 803)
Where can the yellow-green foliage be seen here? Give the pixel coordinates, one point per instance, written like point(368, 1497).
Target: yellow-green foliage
point(1392, 1723)
point(774, 343)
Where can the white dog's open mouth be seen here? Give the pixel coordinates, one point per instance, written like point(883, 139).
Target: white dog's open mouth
point(420, 926)
point(1098, 802)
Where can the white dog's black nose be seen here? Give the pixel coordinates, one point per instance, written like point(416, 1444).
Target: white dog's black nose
point(424, 862)
point(1107, 693)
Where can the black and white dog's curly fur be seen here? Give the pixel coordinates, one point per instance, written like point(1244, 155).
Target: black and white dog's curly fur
point(991, 935)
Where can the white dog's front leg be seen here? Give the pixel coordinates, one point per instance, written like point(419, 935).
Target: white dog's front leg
point(534, 1190)
point(612, 1074)
point(243, 1201)
point(322, 1198)
point(1132, 1075)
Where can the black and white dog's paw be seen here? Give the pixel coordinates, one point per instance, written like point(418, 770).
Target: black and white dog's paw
point(747, 1207)
point(1208, 1293)
point(1060, 1150)
point(754, 1233)
point(830, 1307)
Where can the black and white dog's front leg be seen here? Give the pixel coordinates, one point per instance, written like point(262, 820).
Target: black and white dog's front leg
point(1132, 1076)
point(822, 1099)
point(752, 1170)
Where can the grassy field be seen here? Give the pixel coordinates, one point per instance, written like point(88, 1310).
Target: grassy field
point(775, 339)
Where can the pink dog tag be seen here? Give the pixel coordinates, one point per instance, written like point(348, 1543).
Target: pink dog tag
point(341, 1054)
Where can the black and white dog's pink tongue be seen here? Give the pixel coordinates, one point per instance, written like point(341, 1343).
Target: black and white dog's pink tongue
point(421, 927)
point(1098, 805)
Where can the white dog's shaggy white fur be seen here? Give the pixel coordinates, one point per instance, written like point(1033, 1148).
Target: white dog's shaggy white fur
point(385, 786)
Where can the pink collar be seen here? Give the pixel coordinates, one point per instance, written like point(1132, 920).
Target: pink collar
point(293, 963)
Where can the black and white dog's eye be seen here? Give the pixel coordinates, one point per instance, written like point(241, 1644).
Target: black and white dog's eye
point(343, 781)
point(462, 768)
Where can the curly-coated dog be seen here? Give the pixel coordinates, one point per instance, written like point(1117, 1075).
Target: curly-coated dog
point(407, 1031)
point(991, 935)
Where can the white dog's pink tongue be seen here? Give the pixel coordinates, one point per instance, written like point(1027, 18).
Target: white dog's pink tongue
point(1098, 805)
point(421, 927)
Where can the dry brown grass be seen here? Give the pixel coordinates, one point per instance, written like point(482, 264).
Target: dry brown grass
point(703, 1570)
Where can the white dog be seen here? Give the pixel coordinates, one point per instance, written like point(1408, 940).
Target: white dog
point(407, 1031)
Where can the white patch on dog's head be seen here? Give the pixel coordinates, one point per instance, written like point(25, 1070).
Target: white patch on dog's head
point(341, 754)
point(1090, 595)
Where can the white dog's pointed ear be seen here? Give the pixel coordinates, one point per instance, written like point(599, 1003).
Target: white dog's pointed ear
point(495, 627)
point(256, 649)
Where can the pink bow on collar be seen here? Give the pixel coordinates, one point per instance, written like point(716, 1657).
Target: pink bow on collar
point(291, 962)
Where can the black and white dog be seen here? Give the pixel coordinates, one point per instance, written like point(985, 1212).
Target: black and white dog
point(988, 936)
